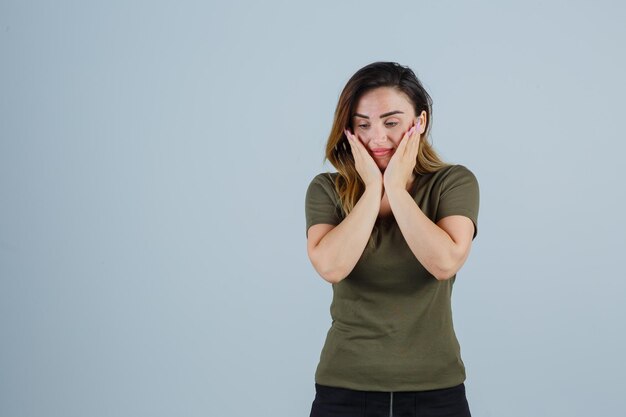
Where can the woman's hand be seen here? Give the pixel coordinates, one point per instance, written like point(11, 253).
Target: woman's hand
point(401, 165)
point(364, 163)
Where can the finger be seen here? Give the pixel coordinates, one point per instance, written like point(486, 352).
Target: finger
point(348, 135)
point(403, 143)
point(351, 139)
point(413, 131)
point(418, 134)
point(415, 143)
point(357, 151)
point(415, 138)
point(353, 150)
point(359, 146)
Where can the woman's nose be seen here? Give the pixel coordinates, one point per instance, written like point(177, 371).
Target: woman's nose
point(378, 135)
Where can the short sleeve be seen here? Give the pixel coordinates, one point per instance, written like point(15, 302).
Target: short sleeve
point(322, 202)
point(460, 195)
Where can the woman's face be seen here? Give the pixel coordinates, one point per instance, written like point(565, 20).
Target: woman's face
point(381, 119)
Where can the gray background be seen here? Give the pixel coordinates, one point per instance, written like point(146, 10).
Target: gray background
point(154, 159)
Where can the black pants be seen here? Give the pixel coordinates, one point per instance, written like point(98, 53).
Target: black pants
point(343, 402)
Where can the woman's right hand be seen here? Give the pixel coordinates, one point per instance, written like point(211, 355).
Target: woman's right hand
point(364, 163)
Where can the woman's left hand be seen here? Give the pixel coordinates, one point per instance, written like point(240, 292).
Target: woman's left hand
point(401, 165)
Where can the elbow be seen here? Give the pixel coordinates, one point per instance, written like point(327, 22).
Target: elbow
point(447, 267)
point(445, 272)
point(332, 275)
point(444, 276)
point(330, 269)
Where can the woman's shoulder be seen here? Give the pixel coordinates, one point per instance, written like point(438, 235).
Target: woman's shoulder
point(453, 168)
point(326, 176)
point(323, 182)
point(326, 179)
point(450, 172)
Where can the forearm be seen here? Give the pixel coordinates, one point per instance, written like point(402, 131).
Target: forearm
point(340, 249)
point(430, 244)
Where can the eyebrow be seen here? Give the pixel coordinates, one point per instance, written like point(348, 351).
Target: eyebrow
point(381, 116)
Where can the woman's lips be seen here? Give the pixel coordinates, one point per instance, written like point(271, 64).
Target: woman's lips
point(381, 151)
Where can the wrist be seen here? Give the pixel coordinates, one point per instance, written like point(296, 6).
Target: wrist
point(375, 188)
point(396, 185)
point(392, 186)
point(393, 190)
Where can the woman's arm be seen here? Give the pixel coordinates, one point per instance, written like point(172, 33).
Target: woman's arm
point(441, 248)
point(335, 250)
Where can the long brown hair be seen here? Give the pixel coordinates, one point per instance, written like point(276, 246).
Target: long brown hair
point(348, 183)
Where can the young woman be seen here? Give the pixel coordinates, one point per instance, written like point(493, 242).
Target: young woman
point(389, 230)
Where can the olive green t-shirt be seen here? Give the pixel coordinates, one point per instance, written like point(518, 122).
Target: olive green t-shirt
point(391, 319)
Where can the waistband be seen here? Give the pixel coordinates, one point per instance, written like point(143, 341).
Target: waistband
point(386, 395)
